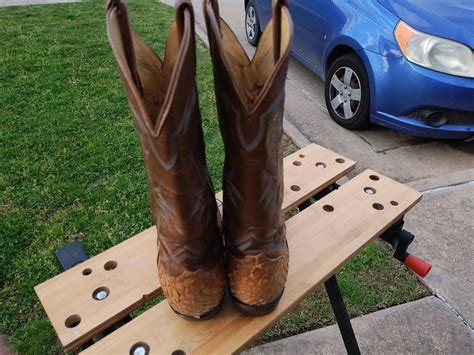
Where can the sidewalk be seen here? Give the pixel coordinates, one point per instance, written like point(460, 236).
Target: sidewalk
point(426, 326)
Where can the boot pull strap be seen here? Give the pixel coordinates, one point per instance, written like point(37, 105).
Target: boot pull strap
point(126, 35)
point(181, 6)
point(276, 10)
point(215, 8)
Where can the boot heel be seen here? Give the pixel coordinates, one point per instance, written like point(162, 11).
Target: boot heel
point(256, 311)
point(204, 316)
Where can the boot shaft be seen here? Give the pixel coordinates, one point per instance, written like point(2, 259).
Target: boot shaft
point(250, 98)
point(163, 98)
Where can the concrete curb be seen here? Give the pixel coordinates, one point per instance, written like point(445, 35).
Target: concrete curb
point(202, 35)
point(294, 133)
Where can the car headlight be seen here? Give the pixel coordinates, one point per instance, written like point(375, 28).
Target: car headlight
point(435, 52)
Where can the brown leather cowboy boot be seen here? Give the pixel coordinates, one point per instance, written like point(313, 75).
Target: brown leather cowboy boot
point(164, 101)
point(250, 97)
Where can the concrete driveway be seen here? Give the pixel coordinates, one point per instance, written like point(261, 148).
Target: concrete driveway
point(443, 170)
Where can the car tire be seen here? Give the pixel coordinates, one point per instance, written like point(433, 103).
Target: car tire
point(347, 92)
point(252, 24)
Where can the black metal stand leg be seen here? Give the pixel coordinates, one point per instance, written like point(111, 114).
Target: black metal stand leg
point(303, 205)
point(343, 320)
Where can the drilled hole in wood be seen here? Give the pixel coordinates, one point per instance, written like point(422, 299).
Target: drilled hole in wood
point(374, 177)
point(178, 352)
point(302, 156)
point(140, 348)
point(328, 208)
point(100, 293)
point(369, 190)
point(340, 160)
point(297, 163)
point(295, 188)
point(110, 265)
point(320, 165)
point(86, 271)
point(72, 321)
point(394, 203)
point(377, 206)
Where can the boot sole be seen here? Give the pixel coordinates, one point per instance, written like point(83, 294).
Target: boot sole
point(255, 311)
point(204, 316)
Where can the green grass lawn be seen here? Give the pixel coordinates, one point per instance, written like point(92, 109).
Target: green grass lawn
point(71, 167)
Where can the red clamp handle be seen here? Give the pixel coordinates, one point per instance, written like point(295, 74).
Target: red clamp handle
point(418, 266)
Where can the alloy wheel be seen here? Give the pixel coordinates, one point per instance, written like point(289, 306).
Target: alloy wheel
point(345, 93)
point(251, 23)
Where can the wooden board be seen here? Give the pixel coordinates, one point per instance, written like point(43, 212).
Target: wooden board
point(321, 239)
point(67, 298)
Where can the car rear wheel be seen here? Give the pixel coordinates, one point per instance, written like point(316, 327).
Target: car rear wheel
point(347, 92)
point(252, 24)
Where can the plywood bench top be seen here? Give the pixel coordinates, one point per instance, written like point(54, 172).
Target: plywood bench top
point(322, 238)
point(127, 269)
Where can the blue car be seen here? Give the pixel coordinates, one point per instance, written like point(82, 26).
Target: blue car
point(404, 64)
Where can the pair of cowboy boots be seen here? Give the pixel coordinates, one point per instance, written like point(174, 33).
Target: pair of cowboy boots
point(198, 251)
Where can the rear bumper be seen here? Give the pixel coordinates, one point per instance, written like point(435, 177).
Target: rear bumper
point(399, 88)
